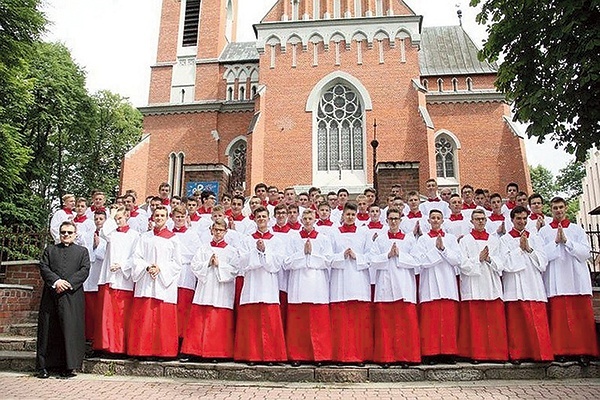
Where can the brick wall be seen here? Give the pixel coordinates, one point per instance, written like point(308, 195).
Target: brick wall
point(390, 173)
point(20, 292)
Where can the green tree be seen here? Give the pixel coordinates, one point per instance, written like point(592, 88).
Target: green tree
point(115, 127)
point(542, 182)
point(569, 179)
point(550, 69)
point(21, 24)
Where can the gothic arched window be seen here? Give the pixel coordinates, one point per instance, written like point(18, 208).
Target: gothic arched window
point(445, 157)
point(340, 136)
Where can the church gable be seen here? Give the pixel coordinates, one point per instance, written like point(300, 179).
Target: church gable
point(286, 10)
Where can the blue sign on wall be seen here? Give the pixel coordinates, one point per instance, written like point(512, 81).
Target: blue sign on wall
point(192, 187)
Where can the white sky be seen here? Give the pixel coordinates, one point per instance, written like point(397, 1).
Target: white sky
point(115, 42)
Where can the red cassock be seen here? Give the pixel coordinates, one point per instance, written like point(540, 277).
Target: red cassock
point(259, 334)
point(184, 306)
point(153, 328)
point(352, 331)
point(572, 325)
point(482, 330)
point(91, 301)
point(528, 331)
point(111, 329)
point(209, 333)
point(308, 332)
point(396, 332)
point(438, 321)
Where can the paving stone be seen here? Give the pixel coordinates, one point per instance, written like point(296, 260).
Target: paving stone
point(454, 374)
point(564, 371)
point(341, 374)
point(396, 375)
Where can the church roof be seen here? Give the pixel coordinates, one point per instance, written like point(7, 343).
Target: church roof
point(445, 50)
point(239, 52)
point(448, 50)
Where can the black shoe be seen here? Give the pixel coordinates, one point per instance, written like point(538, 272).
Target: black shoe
point(475, 362)
point(295, 363)
point(361, 364)
point(561, 359)
point(385, 366)
point(515, 362)
point(184, 359)
point(43, 374)
point(251, 363)
point(67, 373)
point(404, 365)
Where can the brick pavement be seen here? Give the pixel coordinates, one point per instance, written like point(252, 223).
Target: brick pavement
point(87, 386)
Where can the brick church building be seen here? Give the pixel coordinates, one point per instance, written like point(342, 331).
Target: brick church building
point(301, 105)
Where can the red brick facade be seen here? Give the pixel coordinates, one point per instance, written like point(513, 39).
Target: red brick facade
point(300, 54)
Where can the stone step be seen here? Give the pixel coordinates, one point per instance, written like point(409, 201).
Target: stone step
point(17, 343)
point(370, 373)
point(21, 361)
point(27, 329)
point(24, 361)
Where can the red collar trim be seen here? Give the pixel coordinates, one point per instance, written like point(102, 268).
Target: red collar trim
point(362, 216)
point(564, 223)
point(166, 201)
point(222, 244)
point(183, 229)
point(164, 233)
point(397, 235)
point(471, 206)
point(308, 235)
point(375, 225)
point(326, 222)
point(417, 214)
point(483, 235)
point(497, 217)
point(515, 233)
point(433, 233)
point(239, 217)
point(79, 218)
point(511, 204)
point(258, 235)
point(281, 229)
point(456, 217)
point(123, 229)
point(434, 199)
point(347, 228)
point(68, 211)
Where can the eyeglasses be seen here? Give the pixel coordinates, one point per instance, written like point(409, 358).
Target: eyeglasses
point(219, 230)
point(394, 218)
point(66, 233)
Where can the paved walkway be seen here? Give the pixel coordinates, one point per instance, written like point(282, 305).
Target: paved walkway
point(89, 387)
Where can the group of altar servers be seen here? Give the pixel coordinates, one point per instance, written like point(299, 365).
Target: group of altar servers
point(262, 289)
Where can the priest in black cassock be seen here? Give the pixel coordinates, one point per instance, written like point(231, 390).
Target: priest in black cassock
point(60, 338)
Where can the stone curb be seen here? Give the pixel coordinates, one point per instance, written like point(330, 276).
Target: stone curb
point(25, 362)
